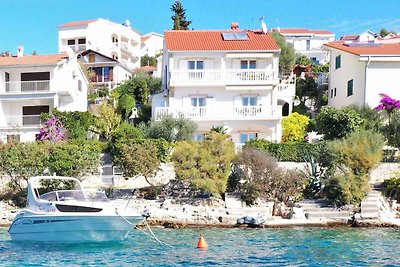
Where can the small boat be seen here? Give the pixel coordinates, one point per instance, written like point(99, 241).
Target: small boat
point(73, 215)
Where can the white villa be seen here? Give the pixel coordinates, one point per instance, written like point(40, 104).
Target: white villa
point(225, 78)
point(360, 71)
point(118, 41)
point(152, 44)
point(107, 72)
point(31, 85)
point(308, 42)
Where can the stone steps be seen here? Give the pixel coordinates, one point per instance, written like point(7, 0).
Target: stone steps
point(322, 209)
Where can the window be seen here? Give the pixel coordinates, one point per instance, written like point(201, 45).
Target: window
point(350, 87)
point(331, 93)
point(82, 41)
point(71, 42)
point(198, 101)
point(198, 137)
point(307, 44)
point(244, 137)
point(338, 62)
point(80, 85)
point(249, 101)
point(314, 60)
point(195, 65)
point(334, 92)
point(92, 58)
point(248, 64)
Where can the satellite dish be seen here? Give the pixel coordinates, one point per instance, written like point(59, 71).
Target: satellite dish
point(263, 25)
point(127, 23)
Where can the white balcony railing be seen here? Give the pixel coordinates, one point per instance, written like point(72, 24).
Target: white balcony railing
point(22, 121)
point(27, 87)
point(223, 76)
point(241, 112)
point(78, 47)
point(288, 90)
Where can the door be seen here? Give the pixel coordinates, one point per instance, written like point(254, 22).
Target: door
point(7, 79)
point(35, 81)
point(31, 114)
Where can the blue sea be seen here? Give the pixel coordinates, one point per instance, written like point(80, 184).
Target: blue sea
point(227, 247)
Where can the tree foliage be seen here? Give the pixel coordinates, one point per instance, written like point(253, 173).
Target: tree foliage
point(125, 104)
point(287, 56)
point(294, 128)
point(179, 17)
point(263, 178)
point(307, 89)
point(172, 129)
point(139, 159)
point(147, 60)
point(337, 123)
point(107, 120)
point(206, 165)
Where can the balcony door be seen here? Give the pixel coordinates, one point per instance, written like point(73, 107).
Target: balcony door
point(31, 114)
point(35, 81)
point(7, 80)
point(195, 69)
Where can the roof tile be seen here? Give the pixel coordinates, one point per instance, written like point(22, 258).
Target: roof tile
point(302, 31)
point(32, 60)
point(78, 23)
point(381, 50)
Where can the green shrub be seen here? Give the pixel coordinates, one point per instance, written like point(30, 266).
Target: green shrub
point(172, 129)
point(294, 128)
point(297, 152)
point(391, 187)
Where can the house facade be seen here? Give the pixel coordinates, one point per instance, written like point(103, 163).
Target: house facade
point(31, 85)
point(225, 78)
point(308, 42)
point(118, 41)
point(105, 71)
point(360, 71)
point(152, 44)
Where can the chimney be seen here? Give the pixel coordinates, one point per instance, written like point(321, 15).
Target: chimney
point(235, 26)
point(20, 51)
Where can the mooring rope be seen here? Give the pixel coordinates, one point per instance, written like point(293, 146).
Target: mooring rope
point(152, 236)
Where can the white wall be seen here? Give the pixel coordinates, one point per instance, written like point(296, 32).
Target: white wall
point(153, 45)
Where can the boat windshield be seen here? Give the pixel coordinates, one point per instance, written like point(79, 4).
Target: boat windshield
point(77, 195)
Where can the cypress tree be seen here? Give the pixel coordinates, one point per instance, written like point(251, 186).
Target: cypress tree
point(179, 17)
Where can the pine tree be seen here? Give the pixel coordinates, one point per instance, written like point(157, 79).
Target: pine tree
point(179, 17)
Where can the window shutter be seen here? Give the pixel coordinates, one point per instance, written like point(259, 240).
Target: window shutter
point(183, 64)
point(186, 102)
point(208, 64)
point(237, 101)
point(235, 64)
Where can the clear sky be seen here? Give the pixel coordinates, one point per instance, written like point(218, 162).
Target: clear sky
point(33, 23)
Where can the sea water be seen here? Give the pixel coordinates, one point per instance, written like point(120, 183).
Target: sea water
point(227, 247)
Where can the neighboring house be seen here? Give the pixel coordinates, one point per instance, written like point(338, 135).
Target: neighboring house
point(152, 44)
point(31, 85)
point(105, 71)
point(114, 40)
point(225, 78)
point(308, 42)
point(367, 36)
point(360, 71)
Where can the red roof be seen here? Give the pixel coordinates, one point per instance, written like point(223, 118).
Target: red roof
point(145, 38)
point(32, 60)
point(349, 37)
point(212, 40)
point(378, 49)
point(78, 23)
point(301, 31)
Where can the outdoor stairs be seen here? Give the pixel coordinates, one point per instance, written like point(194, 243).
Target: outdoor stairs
point(321, 209)
point(374, 206)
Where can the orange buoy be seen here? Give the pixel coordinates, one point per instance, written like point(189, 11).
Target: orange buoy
point(202, 242)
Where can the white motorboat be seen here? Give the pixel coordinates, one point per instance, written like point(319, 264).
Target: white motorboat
point(71, 215)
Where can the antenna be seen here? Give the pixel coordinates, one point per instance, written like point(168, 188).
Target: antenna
point(127, 23)
point(263, 25)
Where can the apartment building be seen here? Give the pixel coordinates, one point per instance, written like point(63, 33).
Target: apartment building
point(152, 44)
point(360, 71)
point(225, 78)
point(31, 85)
point(308, 42)
point(117, 41)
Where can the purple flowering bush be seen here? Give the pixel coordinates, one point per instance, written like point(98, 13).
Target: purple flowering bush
point(51, 131)
point(387, 103)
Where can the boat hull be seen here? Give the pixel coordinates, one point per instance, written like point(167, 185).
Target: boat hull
point(69, 228)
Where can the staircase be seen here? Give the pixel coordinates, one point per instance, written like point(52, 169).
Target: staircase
point(374, 206)
point(317, 209)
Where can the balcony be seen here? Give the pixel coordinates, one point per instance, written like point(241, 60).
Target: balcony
point(26, 87)
point(21, 121)
point(78, 47)
point(223, 77)
point(286, 90)
point(236, 113)
point(101, 79)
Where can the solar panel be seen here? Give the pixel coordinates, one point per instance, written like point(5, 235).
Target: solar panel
point(234, 36)
point(362, 44)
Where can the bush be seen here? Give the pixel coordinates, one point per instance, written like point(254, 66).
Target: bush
point(263, 178)
point(337, 123)
point(125, 104)
point(294, 128)
point(296, 152)
point(172, 129)
point(391, 187)
point(125, 134)
point(206, 165)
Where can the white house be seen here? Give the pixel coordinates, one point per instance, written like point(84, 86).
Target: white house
point(107, 72)
point(152, 44)
point(225, 78)
point(117, 41)
point(31, 85)
point(360, 71)
point(308, 42)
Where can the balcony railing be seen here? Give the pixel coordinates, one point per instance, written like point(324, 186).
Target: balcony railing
point(223, 76)
point(286, 90)
point(241, 112)
point(102, 79)
point(22, 121)
point(27, 87)
point(78, 47)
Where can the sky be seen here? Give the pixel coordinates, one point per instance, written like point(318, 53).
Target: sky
point(33, 23)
